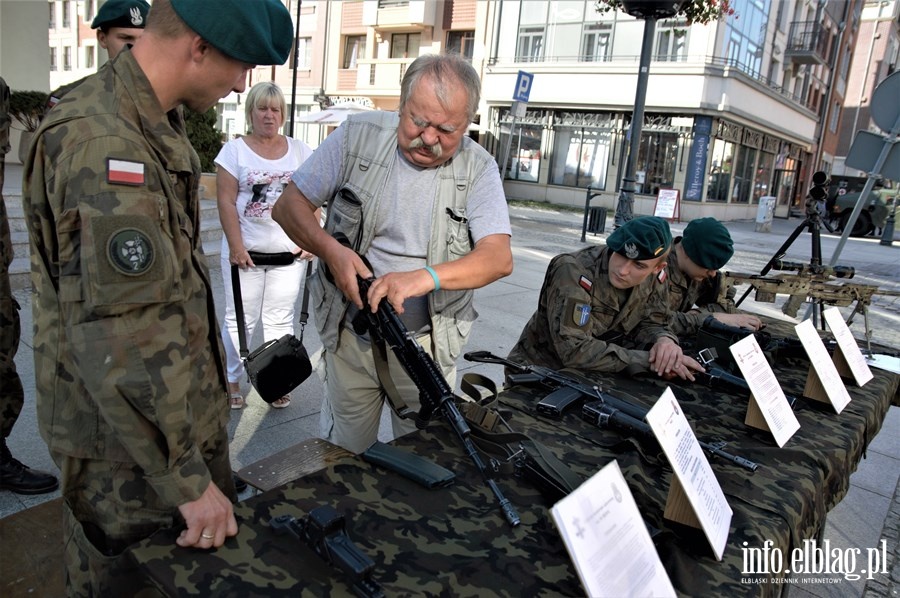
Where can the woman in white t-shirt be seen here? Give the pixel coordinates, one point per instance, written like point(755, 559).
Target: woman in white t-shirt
point(253, 171)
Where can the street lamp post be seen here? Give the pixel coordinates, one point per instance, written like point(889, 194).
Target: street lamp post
point(650, 11)
point(625, 205)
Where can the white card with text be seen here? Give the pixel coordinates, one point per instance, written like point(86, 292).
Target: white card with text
point(765, 389)
point(849, 348)
point(607, 539)
point(690, 466)
point(823, 365)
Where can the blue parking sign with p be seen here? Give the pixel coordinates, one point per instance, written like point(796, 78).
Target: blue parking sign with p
point(523, 86)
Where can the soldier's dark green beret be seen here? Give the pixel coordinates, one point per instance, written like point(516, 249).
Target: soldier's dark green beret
point(131, 14)
point(642, 238)
point(707, 242)
point(251, 31)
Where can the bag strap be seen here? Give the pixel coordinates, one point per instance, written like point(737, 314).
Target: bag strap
point(304, 305)
point(239, 307)
point(239, 310)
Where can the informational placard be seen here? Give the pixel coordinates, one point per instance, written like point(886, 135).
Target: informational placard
point(601, 514)
point(847, 353)
point(695, 497)
point(769, 408)
point(823, 383)
point(667, 204)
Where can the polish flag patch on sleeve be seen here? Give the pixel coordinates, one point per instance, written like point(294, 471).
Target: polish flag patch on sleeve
point(586, 284)
point(124, 172)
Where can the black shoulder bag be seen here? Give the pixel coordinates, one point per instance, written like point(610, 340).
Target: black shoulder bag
point(278, 366)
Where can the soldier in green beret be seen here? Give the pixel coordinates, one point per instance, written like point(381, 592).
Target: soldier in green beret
point(119, 23)
point(601, 306)
point(130, 369)
point(693, 279)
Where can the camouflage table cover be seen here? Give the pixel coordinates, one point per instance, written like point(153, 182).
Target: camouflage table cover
point(455, 541)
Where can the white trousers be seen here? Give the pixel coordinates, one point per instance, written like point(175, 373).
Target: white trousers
point(267, 291)
point(351, 408)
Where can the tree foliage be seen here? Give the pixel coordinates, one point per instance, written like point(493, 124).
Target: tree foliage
point(28, 107)
point(206, 139)
point(694, 11)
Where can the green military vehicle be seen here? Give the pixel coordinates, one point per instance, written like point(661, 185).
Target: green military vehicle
point(843, 198)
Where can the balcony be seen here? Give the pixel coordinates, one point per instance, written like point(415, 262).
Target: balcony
point(387, 15)
point(381, 77)
point(807, 43)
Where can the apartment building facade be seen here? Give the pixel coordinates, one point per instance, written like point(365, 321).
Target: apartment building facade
point(736, 110)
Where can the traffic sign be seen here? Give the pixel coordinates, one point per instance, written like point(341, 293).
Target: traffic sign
point(885, 107)
point(523, 86)
point(867, 148)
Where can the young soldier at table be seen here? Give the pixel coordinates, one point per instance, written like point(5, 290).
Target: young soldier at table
point(692, 278)
point(599, 307)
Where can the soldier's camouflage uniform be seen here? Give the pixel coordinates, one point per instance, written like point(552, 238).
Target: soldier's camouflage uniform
point(685, 294)
point(131, 392)
point(583, 322)
point(12, 396)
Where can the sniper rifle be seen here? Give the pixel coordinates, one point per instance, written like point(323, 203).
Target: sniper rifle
point(609, 410)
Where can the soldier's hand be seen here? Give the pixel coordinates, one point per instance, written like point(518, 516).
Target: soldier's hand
point(741, 320)
point(210, 519)
point(664, 356)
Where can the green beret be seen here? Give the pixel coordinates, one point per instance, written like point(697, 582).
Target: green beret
point(251, 31)
point(130, 14)
point(707, 242)
point(641, 239)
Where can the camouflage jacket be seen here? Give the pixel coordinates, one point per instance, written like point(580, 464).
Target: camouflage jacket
point(691, 301)
point(129, 365)
point(582, 323)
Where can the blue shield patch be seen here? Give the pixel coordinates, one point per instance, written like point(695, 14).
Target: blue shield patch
point(581, 315)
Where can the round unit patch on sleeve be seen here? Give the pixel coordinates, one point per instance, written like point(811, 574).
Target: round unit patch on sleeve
point(130, 252)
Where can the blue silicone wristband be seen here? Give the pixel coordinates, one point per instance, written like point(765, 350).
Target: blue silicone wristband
point(437, 282)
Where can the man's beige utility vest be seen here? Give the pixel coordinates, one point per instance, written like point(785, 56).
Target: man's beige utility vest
point(370, 151)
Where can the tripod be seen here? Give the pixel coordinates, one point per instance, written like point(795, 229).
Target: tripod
point(813, 222)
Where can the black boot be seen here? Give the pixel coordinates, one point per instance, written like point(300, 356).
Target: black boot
point(20, 478)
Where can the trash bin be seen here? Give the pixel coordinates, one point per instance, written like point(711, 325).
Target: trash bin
point(765, 214)
point(596, 220)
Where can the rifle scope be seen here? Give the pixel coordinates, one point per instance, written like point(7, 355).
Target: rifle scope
point(836, 271)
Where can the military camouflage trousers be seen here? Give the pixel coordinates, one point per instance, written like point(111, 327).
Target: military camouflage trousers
point(109, 506)
point(12, 397)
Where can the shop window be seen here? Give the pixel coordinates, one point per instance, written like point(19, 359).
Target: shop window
point(655, 166)
point(763, 180)
point(743, 174)
point(524, 161)
point(580, 157)
point(721, 165)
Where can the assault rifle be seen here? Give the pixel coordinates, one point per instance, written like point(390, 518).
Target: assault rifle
point(567, 392)
point(434, 392)
point(716, 378)
point(719, 336)
point(323, 530)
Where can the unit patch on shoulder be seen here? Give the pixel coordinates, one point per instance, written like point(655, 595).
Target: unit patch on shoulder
point(130, 252)
point(581, 314)
point(124, 172)
point(585, 283)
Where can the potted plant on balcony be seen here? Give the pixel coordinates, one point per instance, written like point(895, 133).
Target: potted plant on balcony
point(694, 11)
point(27, 107)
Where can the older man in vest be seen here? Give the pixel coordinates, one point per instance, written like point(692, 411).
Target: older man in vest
point(425, 205)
